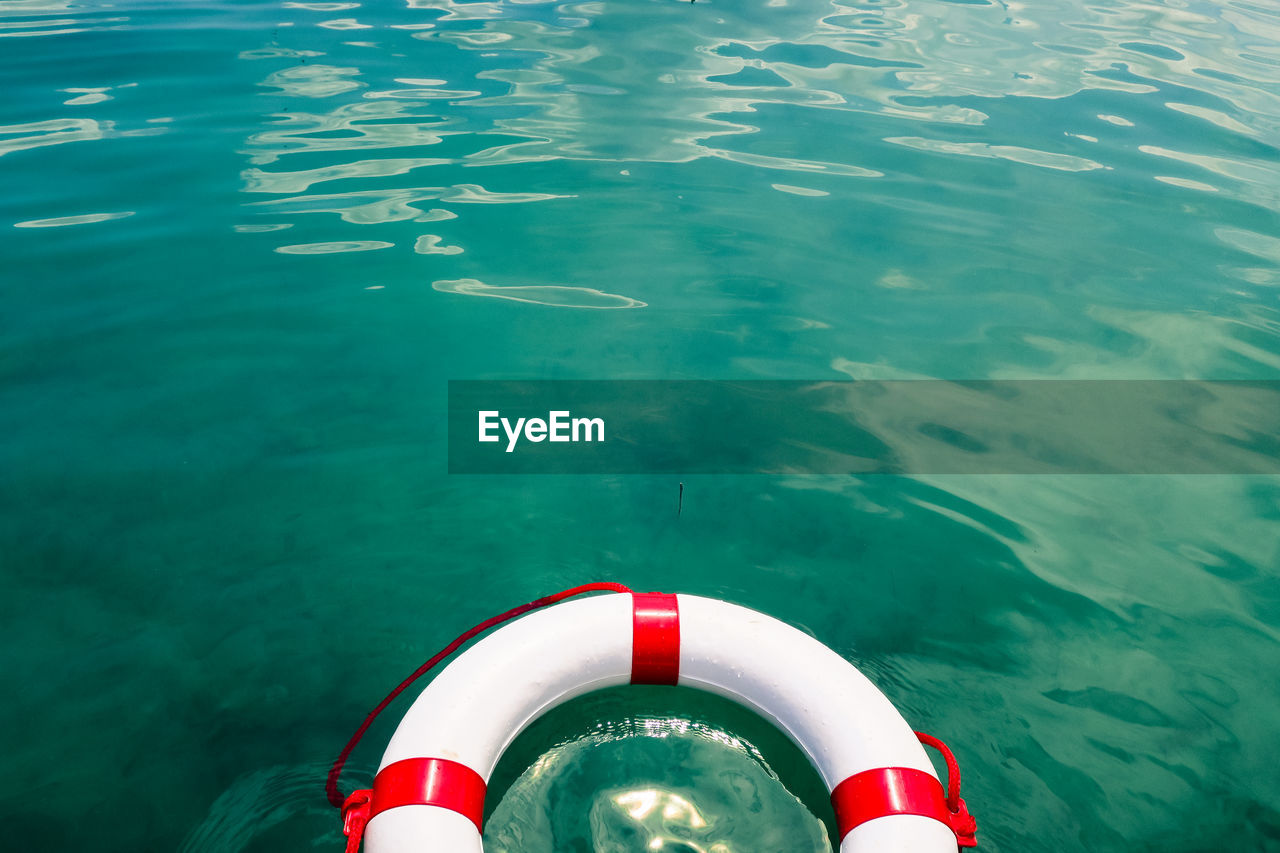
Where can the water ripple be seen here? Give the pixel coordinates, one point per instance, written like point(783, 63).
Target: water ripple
point(1012, 153)
point(557, 295)
point(79, 219)
point(334, 247)
point(492, 86)
point(900, 188)
point(430, 244)
point(29, 18)
point(259, 181)
point(1253, 180)
point(37, 134)
point(257, 801)
point(313, 81)
point(653, 784)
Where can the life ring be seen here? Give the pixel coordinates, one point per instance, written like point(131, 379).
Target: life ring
point(429, 790)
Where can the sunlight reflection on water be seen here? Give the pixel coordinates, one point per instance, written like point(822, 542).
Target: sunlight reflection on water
point(654, 784)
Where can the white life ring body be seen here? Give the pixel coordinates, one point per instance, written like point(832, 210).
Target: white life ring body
point(429, 790)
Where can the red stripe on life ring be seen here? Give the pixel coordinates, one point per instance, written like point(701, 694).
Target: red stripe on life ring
point(655, 648)
point(888, 791)
point(429, 782)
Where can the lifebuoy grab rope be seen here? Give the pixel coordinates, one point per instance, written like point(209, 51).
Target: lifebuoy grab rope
point(331, 784)
point(429, 790)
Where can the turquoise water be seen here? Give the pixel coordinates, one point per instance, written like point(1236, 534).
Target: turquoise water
point(246, 245)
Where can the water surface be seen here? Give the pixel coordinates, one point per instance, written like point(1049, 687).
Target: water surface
point(246, 245)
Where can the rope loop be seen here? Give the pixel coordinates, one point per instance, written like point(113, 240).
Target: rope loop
point(331, 784)
point(962, 823)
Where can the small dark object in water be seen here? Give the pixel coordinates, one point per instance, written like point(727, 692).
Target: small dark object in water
point(680, 501)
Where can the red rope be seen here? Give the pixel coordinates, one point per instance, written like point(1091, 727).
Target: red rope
point(331, 785)
point(953, 769)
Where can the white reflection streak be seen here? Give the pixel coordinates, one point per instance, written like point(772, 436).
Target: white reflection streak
point(80, 219)
point(792, 164)
point(670, 806)
point(555, 295)
point(1260, 245)
point(256, 180)
point(800, 191)
point(368, 125)
point(1013, 153)
point(373, 206)
point(345, 24)
point(322, 7)
point(430, 244)
point(1221, 119)
point(459, 11)
point(395, 206)
point(334, 248)
point(50, 26)
point(313, 81)
point(1186, 183)
point(1250, 171)
point(52, 132)
point(1258, 181)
